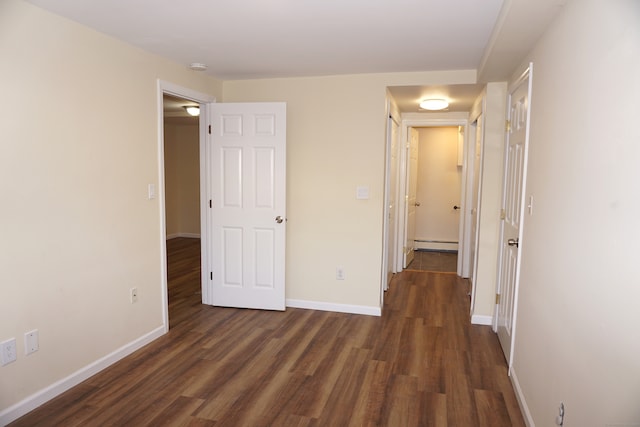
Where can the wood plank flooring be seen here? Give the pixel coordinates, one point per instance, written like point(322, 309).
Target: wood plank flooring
point(420, 364)
point(446, 262)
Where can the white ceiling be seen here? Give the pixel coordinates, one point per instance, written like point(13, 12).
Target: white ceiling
point(242, 39)
point(460, 97)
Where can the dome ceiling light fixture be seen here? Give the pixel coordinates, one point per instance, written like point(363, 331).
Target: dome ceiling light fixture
point(434, 104)
point(198, 66)
point(192, 110)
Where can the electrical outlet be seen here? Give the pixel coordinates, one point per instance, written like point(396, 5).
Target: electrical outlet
point(340, 273)
point(9, 352)
point(31, 344)
point(134, 295)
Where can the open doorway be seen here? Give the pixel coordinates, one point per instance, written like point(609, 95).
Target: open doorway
point(179, 196)
point(411, 123)
point(182, 205)
point(461, 100)
point(438, 183)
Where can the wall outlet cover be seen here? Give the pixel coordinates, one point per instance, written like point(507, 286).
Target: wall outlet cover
point(31, 344)
point(8, 351)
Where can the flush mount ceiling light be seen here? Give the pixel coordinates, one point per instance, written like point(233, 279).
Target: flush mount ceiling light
point(192, 110)
point(198, 66)
point(434, 104)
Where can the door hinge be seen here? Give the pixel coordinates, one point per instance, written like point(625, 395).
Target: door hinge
point(210, 203)
point(497, 299)
point(507, 126)
point(503, 214)
point(211, 276)
point(209, 129)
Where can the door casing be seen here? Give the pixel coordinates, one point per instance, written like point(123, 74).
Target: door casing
point(169, 88)
point(415, 120)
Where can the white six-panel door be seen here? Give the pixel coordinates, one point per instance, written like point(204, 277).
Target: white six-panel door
point(248, 201)
point(513, 210)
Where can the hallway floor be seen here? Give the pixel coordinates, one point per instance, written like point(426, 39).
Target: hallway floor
point(443, 262)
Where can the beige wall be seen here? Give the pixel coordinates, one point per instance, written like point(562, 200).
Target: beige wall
point(438, 190)
point(577, 338)
point(78, 231)
point(79, 122)
point(335, 142)
point(182, 179)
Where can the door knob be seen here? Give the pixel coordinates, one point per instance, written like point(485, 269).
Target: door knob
point(512, 242)
point(279, 219)
point(456, 207)
point(417, 203)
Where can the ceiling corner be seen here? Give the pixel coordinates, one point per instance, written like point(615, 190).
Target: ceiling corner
point(519, 26)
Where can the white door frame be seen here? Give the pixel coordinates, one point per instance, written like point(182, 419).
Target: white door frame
point(469, 269)
point(388, 234)
point(168, 88)
point(391, 193)
point(420, 120)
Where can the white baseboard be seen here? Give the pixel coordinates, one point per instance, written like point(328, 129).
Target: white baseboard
point(187, 235)
point(30, 403)
point(477, 319)
point(528, 419)
point(340, 308)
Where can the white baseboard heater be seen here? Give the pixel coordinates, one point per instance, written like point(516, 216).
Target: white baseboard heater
point(435, 245)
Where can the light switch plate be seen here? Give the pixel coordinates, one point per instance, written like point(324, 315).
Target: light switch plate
point(152, 191)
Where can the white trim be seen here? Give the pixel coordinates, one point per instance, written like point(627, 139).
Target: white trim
point(206, 244)
point(469, 180)
point(339, 308)
point(528, 419)
point(390, 234)
point(478, 319)
point(186, 93)
point(28, 404)
point(186, 235)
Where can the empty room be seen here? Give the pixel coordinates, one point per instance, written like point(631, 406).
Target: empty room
point(250, 264)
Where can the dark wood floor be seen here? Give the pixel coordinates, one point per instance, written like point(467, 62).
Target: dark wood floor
point(420, 364)
point(445, 262)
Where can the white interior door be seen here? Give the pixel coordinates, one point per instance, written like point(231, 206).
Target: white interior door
point(248, 201)
point(513, 211)
point(410, 198)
